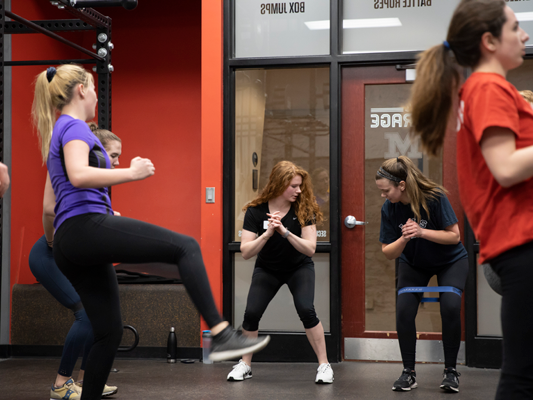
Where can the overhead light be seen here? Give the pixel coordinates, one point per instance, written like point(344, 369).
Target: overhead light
point(317, 25)
point(359, 23)
point(371, 23)
point(524, 16)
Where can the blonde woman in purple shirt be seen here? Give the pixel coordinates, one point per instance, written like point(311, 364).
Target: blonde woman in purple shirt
point(42, 265)
point(89, 238)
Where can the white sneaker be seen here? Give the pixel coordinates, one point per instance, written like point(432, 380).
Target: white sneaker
point(324, 374)
point(240, 372)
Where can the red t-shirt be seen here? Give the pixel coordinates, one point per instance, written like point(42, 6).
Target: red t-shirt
point(502, 218)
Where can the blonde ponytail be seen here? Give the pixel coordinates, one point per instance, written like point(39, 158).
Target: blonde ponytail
point(43, 113)
point(50, 98)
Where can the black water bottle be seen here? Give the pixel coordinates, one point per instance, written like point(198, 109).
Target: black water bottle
point(172, 347)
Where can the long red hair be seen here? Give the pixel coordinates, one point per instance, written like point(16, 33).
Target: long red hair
point(305, 206)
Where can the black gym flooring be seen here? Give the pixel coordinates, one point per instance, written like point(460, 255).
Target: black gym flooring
point(30, 379)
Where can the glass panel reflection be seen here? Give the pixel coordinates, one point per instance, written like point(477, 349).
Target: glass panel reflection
point(394, 25)
point(387, 123)
point(406, 25)
point(264, 29)
point(281, 114)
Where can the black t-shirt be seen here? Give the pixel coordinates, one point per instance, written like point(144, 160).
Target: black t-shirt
point(419, 252)
point(277, 253)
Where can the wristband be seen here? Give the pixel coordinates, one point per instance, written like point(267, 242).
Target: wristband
point(286, 234)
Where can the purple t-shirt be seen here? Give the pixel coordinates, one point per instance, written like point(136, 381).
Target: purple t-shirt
point(72, 201)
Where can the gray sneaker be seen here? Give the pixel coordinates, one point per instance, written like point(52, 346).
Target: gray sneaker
point(228, 345)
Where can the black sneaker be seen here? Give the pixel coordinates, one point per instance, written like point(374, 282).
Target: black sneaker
point(228, 345)
point(451, 380)
point(405, 382)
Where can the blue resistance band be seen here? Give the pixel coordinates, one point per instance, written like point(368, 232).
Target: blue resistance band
point(432, 289)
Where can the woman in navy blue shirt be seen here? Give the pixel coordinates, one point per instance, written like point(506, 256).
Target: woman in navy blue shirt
point(419, 227)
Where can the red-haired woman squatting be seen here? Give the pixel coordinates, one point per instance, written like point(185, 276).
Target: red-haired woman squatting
point(280, 229)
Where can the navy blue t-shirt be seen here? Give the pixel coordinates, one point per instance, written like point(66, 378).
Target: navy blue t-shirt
point(419, 252)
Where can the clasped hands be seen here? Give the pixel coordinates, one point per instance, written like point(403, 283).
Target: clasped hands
point(411, 230)
point(274, 224)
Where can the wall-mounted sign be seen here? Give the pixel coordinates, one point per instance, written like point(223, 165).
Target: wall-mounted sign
point(281, 29)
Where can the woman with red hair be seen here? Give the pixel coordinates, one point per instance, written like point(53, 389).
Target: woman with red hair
point(280, 229)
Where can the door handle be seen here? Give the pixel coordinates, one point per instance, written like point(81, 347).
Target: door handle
point(350, 222)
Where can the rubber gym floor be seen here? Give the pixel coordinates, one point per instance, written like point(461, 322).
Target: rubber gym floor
point(30, 379)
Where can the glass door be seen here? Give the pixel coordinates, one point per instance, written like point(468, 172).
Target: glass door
point(283, 114)
point(375, 127)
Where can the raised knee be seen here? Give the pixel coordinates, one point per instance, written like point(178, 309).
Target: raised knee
point(191, 243)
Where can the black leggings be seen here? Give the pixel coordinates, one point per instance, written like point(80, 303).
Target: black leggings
point(450, 309)
point(265, 285)
point(515, 268)
point(85, 247)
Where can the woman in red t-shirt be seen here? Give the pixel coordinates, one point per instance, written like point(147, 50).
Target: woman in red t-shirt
point(494, 159)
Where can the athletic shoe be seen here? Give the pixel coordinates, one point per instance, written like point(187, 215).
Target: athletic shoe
point(451, 380)
point(69, 391)
point(240, 372)
point(228, 345)
point(324, 374)
point(108, 390)
point(406, 381)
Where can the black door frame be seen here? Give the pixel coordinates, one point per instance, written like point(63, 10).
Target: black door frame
point(481, 351)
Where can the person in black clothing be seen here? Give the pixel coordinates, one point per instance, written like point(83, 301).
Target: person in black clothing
point(280, 228)
point(418, 226)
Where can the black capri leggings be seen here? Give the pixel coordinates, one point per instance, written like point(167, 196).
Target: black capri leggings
point(450, 309)
point(265, 285)
point(85, 247)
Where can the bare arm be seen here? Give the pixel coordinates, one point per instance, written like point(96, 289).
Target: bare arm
point(81, 175)
point(4, 179)
point(450, 234)
point(305, 244)
point(394, 250)
point(49, 202)
point(508, 165)
point(251, 244)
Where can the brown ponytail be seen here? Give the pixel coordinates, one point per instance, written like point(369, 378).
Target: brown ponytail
point(104, 135)
point(435, 90)
point(420, 189)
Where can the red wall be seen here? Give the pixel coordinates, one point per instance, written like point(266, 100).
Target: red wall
point(156, 112)
point(212, 142)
